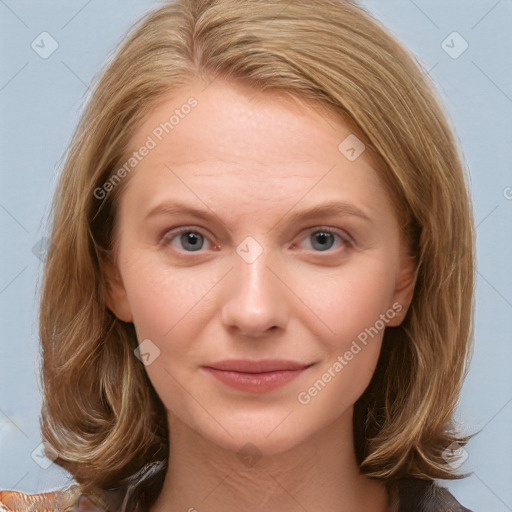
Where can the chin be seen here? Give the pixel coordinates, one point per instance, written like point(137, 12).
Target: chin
point(257, 443)
point(263, 434)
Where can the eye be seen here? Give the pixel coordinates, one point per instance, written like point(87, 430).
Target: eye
point(323, 239)
point(188, 239)
point(185, 239)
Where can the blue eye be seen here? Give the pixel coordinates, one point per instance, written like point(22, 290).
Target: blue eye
point(324, 239)
point(191, 240)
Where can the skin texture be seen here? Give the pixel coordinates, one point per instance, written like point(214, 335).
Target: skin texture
point(251, 161)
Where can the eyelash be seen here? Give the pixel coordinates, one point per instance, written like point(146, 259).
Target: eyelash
point(170, 235)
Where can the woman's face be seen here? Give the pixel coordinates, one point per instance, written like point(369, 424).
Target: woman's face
point(253, 229)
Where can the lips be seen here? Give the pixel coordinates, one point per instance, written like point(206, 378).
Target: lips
point(262, 366)
point(255, 376)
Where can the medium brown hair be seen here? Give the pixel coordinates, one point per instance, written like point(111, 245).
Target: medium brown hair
point(100, 412)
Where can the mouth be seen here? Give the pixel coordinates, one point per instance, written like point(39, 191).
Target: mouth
point(256, 376)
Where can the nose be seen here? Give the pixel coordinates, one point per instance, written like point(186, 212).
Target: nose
point(255, 299)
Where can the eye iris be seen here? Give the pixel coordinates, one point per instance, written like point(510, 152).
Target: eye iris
point(322, 237)
point(194, 239)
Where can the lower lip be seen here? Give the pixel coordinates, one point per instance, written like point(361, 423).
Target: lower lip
point(255, 382)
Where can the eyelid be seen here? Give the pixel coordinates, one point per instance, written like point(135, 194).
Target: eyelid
point(172, 233)
point(346, 239)
point(343, 234)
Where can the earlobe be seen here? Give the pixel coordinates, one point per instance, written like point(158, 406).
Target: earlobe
point(115, 296)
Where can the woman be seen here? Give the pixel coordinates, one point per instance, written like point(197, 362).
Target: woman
point(309, 355)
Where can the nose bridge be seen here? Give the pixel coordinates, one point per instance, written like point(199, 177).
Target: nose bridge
point(255, 301)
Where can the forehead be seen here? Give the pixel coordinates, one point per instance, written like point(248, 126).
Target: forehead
point(230, 119)
point(227, 140)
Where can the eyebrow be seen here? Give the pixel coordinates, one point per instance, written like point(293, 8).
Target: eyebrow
point(174, 207)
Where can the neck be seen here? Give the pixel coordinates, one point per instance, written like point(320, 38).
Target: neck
point(319, 474)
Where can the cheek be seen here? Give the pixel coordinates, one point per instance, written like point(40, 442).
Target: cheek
point(167, 307)
point(337, 385)
point(164, 301)
point(354, 308)
point(348, 303)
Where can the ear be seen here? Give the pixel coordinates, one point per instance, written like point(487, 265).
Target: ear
point(404, 287)
point(115, 296)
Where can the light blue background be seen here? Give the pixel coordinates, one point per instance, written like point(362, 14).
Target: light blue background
point(40, 101)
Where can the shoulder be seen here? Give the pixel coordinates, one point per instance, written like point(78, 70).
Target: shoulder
point(61, 500)
point(424, 496)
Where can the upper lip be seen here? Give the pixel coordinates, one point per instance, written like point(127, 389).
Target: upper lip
point(264, 365)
